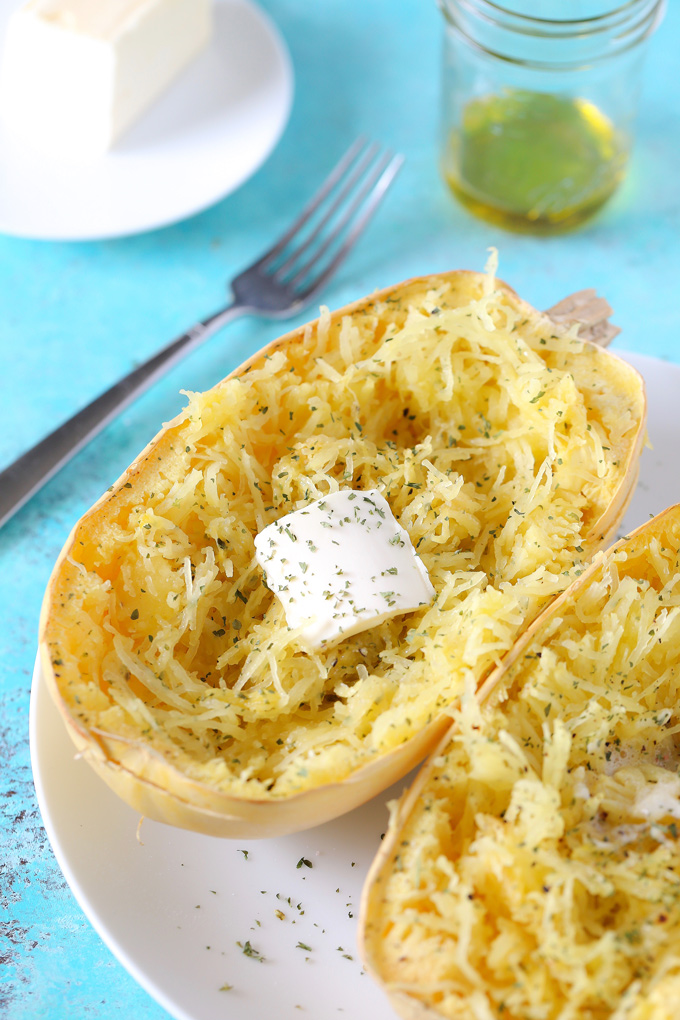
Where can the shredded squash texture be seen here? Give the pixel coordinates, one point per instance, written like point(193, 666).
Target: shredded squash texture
point(498, 442)
point(539, 876)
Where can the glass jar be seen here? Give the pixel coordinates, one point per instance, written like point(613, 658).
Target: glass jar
point(539, 102)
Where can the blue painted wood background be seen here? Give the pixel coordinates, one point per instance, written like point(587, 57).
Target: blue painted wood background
point(76, 316)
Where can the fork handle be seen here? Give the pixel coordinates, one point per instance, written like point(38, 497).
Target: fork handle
point(26, 475)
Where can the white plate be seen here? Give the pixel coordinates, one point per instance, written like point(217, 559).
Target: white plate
point(212, 129)
point(159, 904)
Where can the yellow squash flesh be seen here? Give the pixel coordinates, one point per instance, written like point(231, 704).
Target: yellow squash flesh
point(532, 872)
point(506, 447)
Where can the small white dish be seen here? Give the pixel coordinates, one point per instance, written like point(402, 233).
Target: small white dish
point(174, 907)
point(211, 130)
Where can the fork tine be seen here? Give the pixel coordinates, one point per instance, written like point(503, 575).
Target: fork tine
point(336, 174)
point(352, 179)
point(348, 215)
point(370, 196)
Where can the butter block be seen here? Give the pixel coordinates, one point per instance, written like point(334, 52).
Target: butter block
point(75, 74)
point(340, 565)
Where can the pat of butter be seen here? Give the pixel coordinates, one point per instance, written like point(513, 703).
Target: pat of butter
point(75, 74)
point(341, 565)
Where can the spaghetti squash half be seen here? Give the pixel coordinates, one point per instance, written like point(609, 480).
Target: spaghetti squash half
point(533, 870)
point(505, 446)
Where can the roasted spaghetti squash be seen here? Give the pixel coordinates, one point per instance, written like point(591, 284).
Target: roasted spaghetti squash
point(505, 446)
point(533, 870)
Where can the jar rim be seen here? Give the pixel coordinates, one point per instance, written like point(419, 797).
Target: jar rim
point(627, 7)
point(524, 23)
point(627, 25)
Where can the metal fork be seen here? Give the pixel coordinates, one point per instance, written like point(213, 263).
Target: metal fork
point(276, 286)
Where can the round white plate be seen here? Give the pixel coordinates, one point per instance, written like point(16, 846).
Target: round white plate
point(174, 906)
point(207, 134)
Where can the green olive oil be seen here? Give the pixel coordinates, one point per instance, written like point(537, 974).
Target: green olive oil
point(534, 162)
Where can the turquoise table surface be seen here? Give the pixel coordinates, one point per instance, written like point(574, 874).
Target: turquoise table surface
point(77, 316)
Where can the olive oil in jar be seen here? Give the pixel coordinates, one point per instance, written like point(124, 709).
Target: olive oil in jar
point(534, 162)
